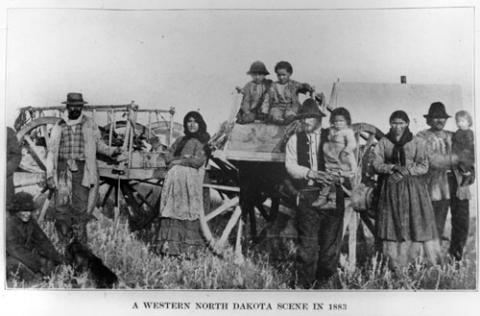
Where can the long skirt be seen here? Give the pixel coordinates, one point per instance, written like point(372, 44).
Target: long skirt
point(180, 206)
point(180, 237)
point(406, 222)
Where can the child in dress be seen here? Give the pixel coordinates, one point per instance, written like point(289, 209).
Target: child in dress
point(254, 93)
point(339, 155)
point(283, 103)
point(463, 144)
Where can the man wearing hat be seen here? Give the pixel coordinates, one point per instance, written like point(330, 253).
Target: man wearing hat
point(319, 231)
point(254, 93)
point(30, 254)
point(443, 179)
point(71, 158)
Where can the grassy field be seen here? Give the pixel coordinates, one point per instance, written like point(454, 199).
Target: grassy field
point(137, 268)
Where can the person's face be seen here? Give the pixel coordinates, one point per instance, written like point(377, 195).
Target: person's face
point(339, 122)
point(283, 75)
point(310, 124)
point(398, 126)
point(258, 78)
point(74, 111)
point(192, 125)
point(24, 216)
point(438, 123)
point(463, 123)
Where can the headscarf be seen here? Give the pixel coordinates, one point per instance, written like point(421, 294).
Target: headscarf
point(398, 154)
point(201, 134)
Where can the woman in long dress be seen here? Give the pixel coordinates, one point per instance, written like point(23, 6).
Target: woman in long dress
point(405, 220)
point(181, 200)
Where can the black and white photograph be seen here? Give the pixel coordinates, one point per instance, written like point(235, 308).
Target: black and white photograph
point(241, 157)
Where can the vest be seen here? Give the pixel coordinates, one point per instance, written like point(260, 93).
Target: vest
point(303, 152)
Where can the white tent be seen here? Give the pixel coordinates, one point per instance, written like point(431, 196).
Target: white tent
point(374, 102)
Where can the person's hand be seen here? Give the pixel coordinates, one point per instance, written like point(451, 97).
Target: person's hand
point(116, 152)
point(395, 178)
point(320, 97)
point(51, 183)
point(320, 177)
point(401, 169)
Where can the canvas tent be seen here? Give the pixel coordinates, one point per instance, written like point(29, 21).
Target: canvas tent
point(374, 102)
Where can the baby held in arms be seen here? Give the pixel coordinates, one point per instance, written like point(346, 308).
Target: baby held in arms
point(339, 156)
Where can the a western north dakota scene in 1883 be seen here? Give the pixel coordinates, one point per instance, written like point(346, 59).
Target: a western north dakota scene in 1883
point(224, 149)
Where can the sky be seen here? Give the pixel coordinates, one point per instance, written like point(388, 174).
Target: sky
point(194, 59)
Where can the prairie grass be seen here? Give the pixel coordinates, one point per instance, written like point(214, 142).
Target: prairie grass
point(138, 268)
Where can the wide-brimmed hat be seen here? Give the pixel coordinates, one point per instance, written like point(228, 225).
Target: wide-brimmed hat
point(437, 110)
point(74, 98)
point(309, 109)
point(258, 67)
point(21, 202)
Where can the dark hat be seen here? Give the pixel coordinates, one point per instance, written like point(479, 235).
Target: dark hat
point(258, 68)
point(309, 109)
point(21, 202)
point(437, 110)
point(74, 98)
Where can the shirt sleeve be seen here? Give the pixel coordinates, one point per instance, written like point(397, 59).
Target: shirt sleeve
point(17, 250)
point(291, 164)
point(169, 156)
point(43, 244)
point(246, 99)
point(350, 141)
point(197, 158)
point(379, 164)
point(420, 163)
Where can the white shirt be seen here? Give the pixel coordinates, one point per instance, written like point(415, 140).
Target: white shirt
point(291, 164)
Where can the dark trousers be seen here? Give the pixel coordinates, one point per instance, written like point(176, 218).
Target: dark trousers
point(319, 241)
point(79, 202)
point(460, 219)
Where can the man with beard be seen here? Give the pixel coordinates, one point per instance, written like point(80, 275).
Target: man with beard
point(71, 161)
point(319, 230)
point(444, 179)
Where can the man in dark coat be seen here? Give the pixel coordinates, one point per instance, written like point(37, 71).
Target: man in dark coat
point(30, 254)
point(319, 231)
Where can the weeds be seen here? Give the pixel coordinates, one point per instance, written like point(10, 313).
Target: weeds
point(138, 268)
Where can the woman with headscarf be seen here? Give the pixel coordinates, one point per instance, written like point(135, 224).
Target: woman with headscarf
point(181, 200)
point(405, 219)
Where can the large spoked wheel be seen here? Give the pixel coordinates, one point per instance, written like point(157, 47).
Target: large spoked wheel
point(140, 197)
point(367, 137)
point(243, 199)
point(34, 138)
point(221, 222)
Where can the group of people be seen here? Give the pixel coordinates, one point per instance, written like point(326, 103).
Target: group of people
point(276, 102)
point(72, 173)
point(419, 178)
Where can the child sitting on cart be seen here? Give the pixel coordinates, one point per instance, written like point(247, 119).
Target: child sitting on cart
point(283, 103)
point(339, 156)
point(254, 94)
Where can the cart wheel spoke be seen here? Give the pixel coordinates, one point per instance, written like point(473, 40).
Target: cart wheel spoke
point(35, 153)
point(228, 229)
point(224, 207)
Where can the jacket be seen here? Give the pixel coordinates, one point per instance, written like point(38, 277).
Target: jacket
point(27, 243)
point(93, 143)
